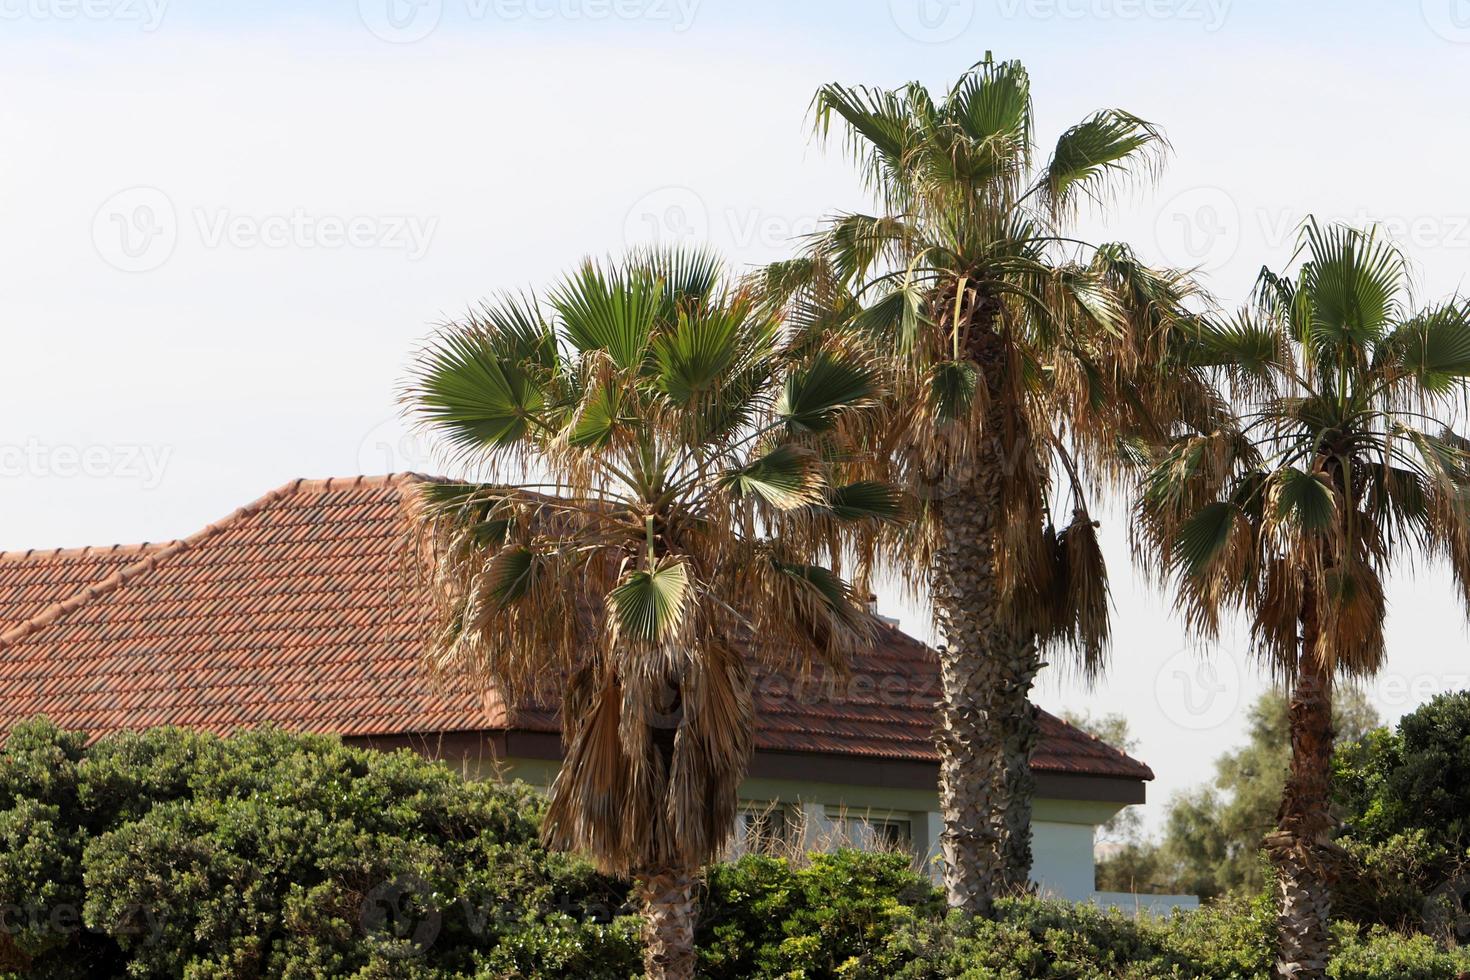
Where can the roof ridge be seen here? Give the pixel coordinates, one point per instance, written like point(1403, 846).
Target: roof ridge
point(153, 558)
point(85, 551)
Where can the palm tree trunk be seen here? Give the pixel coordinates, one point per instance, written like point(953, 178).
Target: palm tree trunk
point(1300, 848)
point(670, 911)
point(987, 725)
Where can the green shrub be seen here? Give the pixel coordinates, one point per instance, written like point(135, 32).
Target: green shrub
point(763, 917)
point(180, 855)
point(867, 917)
point(170, 854)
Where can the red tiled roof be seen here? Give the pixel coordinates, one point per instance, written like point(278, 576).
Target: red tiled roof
point(32, 580)
point(296, 610)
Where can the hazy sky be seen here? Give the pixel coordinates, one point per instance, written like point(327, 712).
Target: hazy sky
point(227, 226)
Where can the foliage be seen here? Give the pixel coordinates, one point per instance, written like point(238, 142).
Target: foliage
point(170, 853)
point(1212, 834)
point(271, 855)
point(1404, 796)
point(671, 480)
point(1344, 464)
point(868, 917)
point(1414, 778)
point(764, 917)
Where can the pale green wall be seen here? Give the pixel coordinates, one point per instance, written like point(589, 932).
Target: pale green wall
point(1062, 830)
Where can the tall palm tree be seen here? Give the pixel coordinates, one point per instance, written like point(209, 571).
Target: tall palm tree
point(1012, 354)
point(663, 471)
point(1342, 465)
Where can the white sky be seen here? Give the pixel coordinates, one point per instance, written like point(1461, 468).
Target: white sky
point(226, 228)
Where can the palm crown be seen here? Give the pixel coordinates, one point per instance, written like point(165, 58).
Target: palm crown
point(1011, 346)
point(1344, 460)
point(686, 498)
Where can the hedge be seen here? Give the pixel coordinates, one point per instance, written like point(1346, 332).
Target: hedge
point(172, 854)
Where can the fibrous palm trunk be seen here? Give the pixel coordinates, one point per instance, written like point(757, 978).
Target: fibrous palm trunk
point(670, 911)
point(987, 726)
point(1300, 848)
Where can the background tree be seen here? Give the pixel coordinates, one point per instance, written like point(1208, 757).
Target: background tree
point(1010, 355)
point(664, 472)
point(1343, 466)
point(1212, 835)
point(1404, 799)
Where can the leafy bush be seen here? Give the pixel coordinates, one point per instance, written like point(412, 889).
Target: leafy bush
point(868, 917)
point(170, 853)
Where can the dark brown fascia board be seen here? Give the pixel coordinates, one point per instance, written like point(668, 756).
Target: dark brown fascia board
point(768, 764)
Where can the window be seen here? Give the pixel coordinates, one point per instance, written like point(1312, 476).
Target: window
point(760, 828)
point(872, 831)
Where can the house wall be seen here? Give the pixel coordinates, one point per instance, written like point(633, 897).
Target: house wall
point(1062, 829)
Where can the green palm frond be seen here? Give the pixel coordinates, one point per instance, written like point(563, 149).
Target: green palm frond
point(787, 477)
point(818, 393)
point(473, 390)
point(1107, 145)
point(651, 606)
point(1304, 499)
point(1355, 280)
point(866, 500)
point(610, 309)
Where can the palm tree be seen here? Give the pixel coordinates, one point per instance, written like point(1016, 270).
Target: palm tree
point(663, 467)
point(1011, 354)
point(1341, 467)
